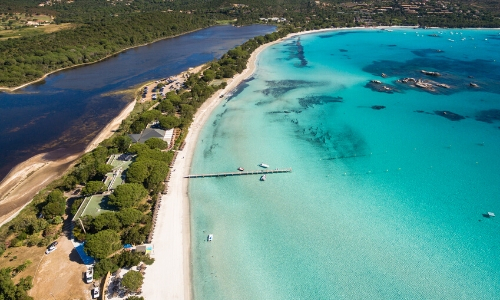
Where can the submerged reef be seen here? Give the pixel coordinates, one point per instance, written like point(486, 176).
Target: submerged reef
point(488, 116)
point(449, 115)
point(310, 101)
point(277, 88)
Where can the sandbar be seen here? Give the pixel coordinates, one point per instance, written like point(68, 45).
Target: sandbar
point(26, 179)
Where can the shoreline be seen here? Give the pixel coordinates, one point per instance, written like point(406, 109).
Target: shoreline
point(172, 237)
point(26, 179)
point(13, 89)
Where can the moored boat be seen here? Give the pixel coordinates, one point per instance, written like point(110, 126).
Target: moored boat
point(263, 178)
point(241, 169)
point(210, 237)
point(263, 165)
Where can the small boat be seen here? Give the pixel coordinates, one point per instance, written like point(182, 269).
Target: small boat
point(210, 237)
point(241, 169)
point(376, 81)
point(384, 75)
point(474, 85)
point(263, 165)
point(490, 214)
point(263, 178)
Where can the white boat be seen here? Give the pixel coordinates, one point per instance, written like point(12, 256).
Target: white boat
point(210, 237)
point(263, 165)
point(263, 178)
point(490, 214)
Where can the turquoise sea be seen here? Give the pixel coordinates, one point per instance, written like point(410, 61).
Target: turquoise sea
point(388, 189)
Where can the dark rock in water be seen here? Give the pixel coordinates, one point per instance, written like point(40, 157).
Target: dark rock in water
point(378, 107)
point(296, 50)
point(488, 116)
point(425, 52)
point(449, 115)
point(326, 36)
point(277, 88)
point(378, 87)
point(454, 72)
point(342, 50)
point(310, 101)
point(419, 111)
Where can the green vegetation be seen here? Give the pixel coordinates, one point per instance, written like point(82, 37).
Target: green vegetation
point(135, 298)
point(125, 259)
point(56, 203)
point(157, 143)
point(102, 244)
point(132, 280)
point(11, 291)
point(127, 195)
point(101, 28)
point(93, 187)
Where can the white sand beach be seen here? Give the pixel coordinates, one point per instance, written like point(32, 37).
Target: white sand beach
point(170, 276)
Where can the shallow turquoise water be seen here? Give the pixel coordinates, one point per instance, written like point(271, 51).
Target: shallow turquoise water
point(382, 203)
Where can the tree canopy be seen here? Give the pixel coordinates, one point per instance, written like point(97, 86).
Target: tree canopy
point(132, 280)
point(55, 206)
point(129, 216)
point(93, 187)
point(11, 291)
point(127, 195)
point(102, 244)
point(156, 143)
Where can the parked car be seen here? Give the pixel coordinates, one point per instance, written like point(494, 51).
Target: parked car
point(51, 247)
point(95, 292)
point(89, 275)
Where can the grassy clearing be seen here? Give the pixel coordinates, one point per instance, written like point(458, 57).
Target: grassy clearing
point(32, 31)
point(16, 256)
point(226, 22)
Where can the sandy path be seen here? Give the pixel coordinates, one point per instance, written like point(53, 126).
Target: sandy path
point(19, 187)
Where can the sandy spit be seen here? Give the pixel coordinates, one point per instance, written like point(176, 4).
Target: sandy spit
point(26, 179)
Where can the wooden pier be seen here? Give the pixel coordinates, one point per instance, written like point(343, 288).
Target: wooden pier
point(258, 172)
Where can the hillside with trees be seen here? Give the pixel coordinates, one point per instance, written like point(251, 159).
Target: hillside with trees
point(103, 28)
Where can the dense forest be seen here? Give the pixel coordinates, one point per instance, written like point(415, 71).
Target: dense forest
point(106, 27)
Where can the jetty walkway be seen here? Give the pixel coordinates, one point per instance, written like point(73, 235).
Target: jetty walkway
point(258, 172)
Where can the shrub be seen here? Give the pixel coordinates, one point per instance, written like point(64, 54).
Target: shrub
point(132, 280)
point(102, 244)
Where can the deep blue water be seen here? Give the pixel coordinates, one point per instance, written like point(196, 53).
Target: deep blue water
point(70, 107)
point(388, 189)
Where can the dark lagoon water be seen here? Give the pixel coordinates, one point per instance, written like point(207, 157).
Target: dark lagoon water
point(70, 107)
